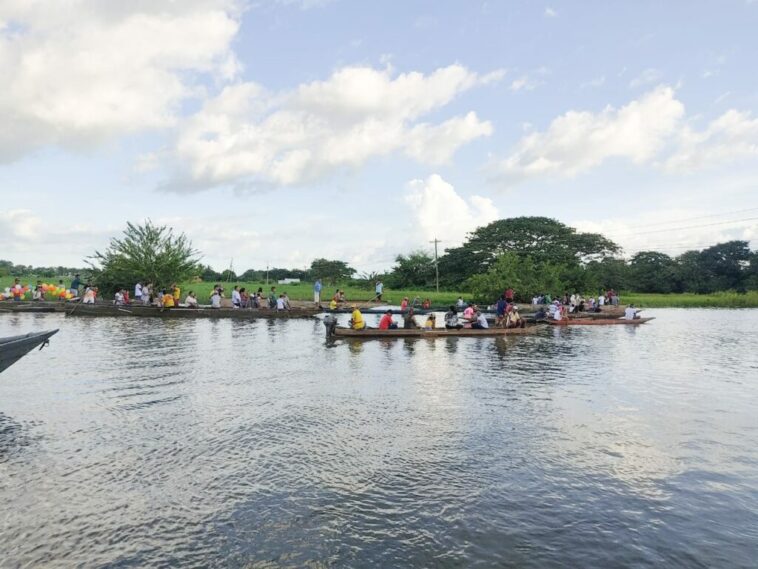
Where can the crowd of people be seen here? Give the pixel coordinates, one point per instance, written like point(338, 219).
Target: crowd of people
point(577, 303)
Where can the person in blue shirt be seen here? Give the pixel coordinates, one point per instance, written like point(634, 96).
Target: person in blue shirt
point(317, 292)
point(75, 284)
point(378, 290)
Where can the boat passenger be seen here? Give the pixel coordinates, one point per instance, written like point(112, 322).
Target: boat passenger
point(168, 300)
point(176, 292)
point(404, 304)
point(409, 322)
point(118, 298)
point(514, 319)
point(630, 313)
point(138, 292)
point(216, 299)
point(540, 314)
point(332, 304)
point(500, 308)
point(481, 321)
point(191, 300)
point(272, 300)
point(89, 295)
point(336, 297)
point(509, 293)
point(431, 322)
point(244, 298)
point(37, 294)
point(378, 289)
point(357, 322)
point(75, 284)
point(386, 322)
point(281, 304)
point(286, 298)
point(236, 297)
point(427, 304)
point(469, 315)
point(342, 296)
point(459, 303)
point(451, 319)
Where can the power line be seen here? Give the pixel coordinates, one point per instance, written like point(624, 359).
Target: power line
point(693, 218)
point(616, 235)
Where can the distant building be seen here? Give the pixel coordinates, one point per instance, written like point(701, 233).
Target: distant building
point(288, 281)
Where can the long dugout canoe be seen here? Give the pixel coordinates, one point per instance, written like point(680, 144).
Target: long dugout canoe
point(341, 332)
point(14, 348)
point(179, 312)
point(600, 322)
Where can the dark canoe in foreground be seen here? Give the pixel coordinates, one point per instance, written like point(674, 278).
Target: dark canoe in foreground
point(600, 322)
point(341, 332)
point(26, 306)
point(14, 348)
point(179, 312)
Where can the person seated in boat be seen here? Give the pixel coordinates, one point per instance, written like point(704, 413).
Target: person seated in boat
point(500, 307)
point(460, 303)
point(404, 304)
point(451, 319)
point(514, 319)
point(431, 321)
point(191, 300)
point(561, 313)
point(427, 304)
point(272, 299)
point(176, 292)
point(342, 296)
point(480, 322)
point(409, 322)
point(118, 298)
point(286, 298)
point(281, 303)
point(89, 295)
point(541, 314)
point(509, 295)
point(333, 304)
point(630, 313)
point(356, 321)
point(168, 299)
point(38, 293)
point(244, 298)
point(236, 297)
point(469, 315)
point(386, 322)
point(216, 299)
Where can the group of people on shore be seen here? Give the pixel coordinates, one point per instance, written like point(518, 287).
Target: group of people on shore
point(577, 303)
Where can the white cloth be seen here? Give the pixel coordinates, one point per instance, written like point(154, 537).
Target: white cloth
point(630, 313)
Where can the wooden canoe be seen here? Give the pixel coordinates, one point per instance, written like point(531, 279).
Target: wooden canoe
point(14, 348)
point(341, 332)
point(179, 312)
point(599, 322)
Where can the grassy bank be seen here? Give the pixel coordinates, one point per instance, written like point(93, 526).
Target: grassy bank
point(304, 291)
point(689, 300)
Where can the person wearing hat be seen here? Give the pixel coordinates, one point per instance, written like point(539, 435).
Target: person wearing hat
point(357, 322)
point(514, 319)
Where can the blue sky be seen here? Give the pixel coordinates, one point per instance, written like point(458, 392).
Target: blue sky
point(278, 132)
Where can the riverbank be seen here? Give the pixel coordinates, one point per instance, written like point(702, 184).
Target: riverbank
point(304, 292)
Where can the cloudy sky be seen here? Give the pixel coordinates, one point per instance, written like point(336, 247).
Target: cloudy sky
point(275, 132)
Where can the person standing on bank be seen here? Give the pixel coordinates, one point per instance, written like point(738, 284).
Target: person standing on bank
point(378, 289)
point(317, 292)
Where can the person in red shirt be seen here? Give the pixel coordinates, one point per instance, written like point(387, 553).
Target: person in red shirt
point(386, 322)
point(509, 295)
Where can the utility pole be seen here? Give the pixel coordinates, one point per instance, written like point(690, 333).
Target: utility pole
point(266, 274)
point(436, 264)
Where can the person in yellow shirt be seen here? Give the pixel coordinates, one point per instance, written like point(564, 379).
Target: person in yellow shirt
point(168, 301)
point(177, 293)
point(333, 305)
point(357, 322)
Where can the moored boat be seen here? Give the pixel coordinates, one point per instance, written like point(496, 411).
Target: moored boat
point(599, 321)
point(136, 310)
point(13, 348)
point(342, 332)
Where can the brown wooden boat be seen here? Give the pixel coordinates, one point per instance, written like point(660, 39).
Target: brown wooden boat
point(181, 312)
point(599, 321)
point(341, 332)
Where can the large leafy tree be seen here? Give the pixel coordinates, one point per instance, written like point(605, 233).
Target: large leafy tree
point(726, 264)
point(413, 270)
point(145, 252)
point(527, 277)
point(543, 239)
point(651, 271)
point(331, 272)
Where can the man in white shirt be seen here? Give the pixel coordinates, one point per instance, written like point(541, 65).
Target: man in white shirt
point(280, 304)
point(216, 299)
point(481, 322)
point(138, 292)
point(118, 298)
point(630, 313)
point(236, 298)
point(191, 300)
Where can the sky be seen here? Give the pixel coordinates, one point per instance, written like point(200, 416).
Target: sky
point(276, 132)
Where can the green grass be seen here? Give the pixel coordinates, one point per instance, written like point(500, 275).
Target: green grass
point(304, 291)
point(690, 300)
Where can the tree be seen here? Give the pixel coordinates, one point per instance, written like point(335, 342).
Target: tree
point(726, 264)
point(527, 277)
point(413, 270)
point(543, 239)
point(606, 274)
point(145, 253)
point(331, 272)
point(651, 271)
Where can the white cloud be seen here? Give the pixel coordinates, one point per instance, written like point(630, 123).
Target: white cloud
point(731, 136)
point(442, 213)
point(647, 77)
point(247, 135)
point(550, 13)
point(76, 73)
point(579, 140)
point(594, 83)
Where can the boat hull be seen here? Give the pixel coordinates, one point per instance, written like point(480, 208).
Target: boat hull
point(435, 333)
point(13, 348)
point(600, 322)
point(191, 313)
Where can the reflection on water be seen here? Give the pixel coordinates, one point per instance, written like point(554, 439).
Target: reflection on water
point(196, 443)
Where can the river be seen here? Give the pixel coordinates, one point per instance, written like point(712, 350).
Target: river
point(141, 442)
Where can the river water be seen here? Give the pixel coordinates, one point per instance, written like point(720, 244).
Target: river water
point(139, 442)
